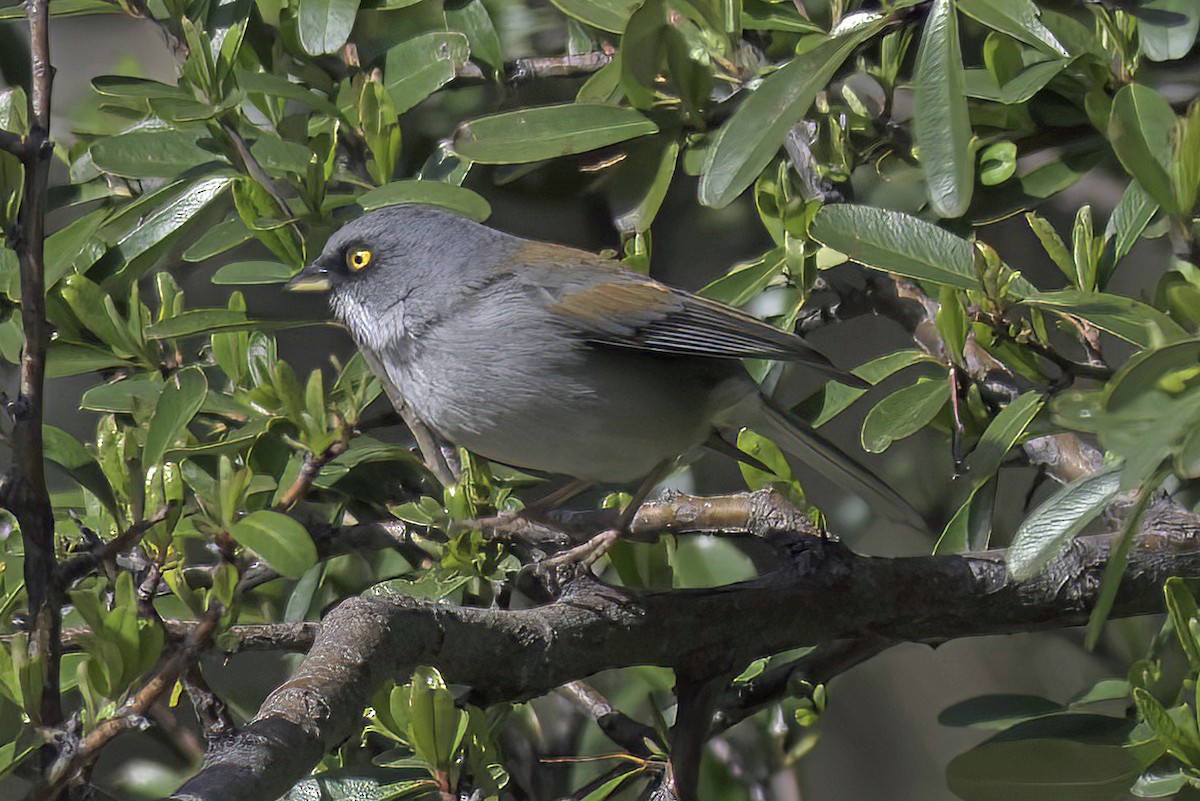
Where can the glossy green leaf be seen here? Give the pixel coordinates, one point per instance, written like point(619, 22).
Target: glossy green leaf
point(152, 153)
point(69, 454)
point(208, 321)
point(1059, 519)
point(752, 137)
point(641, 183)
point(1019, 19)
point(129, 86)
point(279, 86)
point(253, 272)
point(1120, 316)
point(1118, 556)
point(1177, 734)
point(835, 397)
point(970, 527)
point(181, 398)
point(1181, 607)
point(280, 541)
point(998, 711)
point(546, 132)
point(180, 205)
point(1167, 28)
point(942, 126)
point(903, 413)
point(418, 67)
point(607, 15)
point(64, 358)
point(430, 193)
point(324, 25)
point(747, 281)
point(1002, 433)
point(997, 163)
point(1140, 130)
point(436, 727)
point(261, 214)
point(1052, 243)
point(896, 243)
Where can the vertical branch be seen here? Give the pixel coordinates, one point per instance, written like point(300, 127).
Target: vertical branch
point(23, 485)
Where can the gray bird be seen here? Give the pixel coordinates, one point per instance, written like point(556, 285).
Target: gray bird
point(553, 359)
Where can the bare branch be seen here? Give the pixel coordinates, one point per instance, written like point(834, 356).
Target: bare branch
point(12, 143)
point(616, 725)
point(23, 485)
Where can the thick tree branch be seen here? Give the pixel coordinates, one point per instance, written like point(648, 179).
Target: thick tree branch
point(825, 594)
point(23, 486)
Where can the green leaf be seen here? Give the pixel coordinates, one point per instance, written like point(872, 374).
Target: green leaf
point(1120, 316)
point(436, 727)
point(641, 183)
point(1140, 129)
point(1001, 435)
point(1069, 757)
point(1167, 28)
point(747, 281)
point(324, 25)
point(607, 15)
point(221, 237)
point(69, 454)
point(282, 542)
point(473, 19)
point(942, 126)
point(1181, 740)
point(209, 321)
point(997, 163)
point(430, 193)
point(971, 526)
point(260, 213)
point(546, 132)
point(752, 137)
point(279, 86)
point(253, 272)
point(999, 711)
point(1181, 607)
point(896, 243)
point(181, 398)
point(1058, 520)
point(1118, 556)
point(1020, 19)
point(65, 358)
point(180, 204)
point(1053, 245)
point(418, 67)
point(151, 154)
point(835, 397)
point(903, 413)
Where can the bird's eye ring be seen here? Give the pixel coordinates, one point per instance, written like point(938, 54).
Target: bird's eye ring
point(358, 258)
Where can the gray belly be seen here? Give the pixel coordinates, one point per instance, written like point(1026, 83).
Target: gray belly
point(597, 414)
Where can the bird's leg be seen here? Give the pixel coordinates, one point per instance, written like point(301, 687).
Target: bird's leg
point(552, 500)
point(587, 553)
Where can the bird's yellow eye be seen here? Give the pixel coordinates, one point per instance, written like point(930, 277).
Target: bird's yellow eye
point(358, 258)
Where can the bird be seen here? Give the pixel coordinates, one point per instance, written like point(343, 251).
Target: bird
point(556, 360)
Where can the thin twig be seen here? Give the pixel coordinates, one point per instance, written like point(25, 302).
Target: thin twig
point(309, 471)
point(83, 564)
point(616, 725)
point(211, 710)
point(252, 168)
point(132, 713)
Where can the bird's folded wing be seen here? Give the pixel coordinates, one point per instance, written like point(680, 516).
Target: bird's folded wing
point(644, 315)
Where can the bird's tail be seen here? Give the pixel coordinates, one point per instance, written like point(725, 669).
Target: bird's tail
point(803, 441)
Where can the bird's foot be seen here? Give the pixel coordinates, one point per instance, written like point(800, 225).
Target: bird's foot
point(585, 554)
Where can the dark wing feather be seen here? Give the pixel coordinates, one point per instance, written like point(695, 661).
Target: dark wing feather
point(637, 313)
